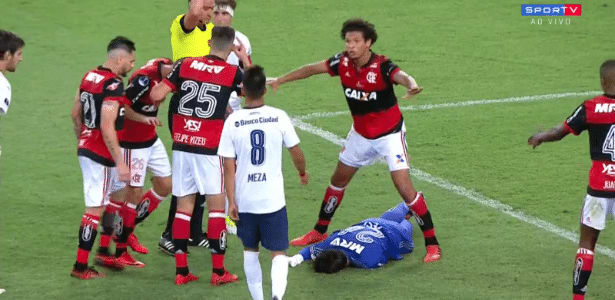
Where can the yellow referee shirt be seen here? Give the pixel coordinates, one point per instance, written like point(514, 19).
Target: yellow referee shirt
point(192, 44)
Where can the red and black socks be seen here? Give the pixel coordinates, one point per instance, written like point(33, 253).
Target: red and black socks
point(108, 220)
point(418, 207)
point(149, 202)
point(127, 213)
point(584, 262)
point(332, 200)
point(181, 233)
point(216, 234)
point(87, 236)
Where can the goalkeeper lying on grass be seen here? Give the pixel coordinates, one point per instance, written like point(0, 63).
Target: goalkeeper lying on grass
point(368, 244)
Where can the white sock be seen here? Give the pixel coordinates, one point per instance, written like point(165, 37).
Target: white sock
point(279, 274)
point(254, 275)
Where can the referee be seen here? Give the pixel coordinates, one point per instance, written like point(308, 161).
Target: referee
point(190, 35)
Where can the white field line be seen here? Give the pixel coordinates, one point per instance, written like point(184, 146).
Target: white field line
point(467, 193)
point(461, 104)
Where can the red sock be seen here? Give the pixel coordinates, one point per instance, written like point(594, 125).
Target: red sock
point(154, 200)
point(423, 218)
point(181, 233)
point(216, 233)
point(584, 262)
point(128, 213)
point(87, 235)
point(332, 200)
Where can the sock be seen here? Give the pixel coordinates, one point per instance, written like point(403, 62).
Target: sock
point(149, 202)
point(279, 274)
point(584, 262)
point(216, 234)
point(128, 213)
point(332, 200)
point(111, 210)
point(423, 218)
point(87, 236)
point(181, 232)
point(171, 217)
point(254, 275)
point(196, 224)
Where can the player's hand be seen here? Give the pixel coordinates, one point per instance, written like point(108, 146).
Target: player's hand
point(153, 121)
point(412, 91)
point(536, 139)
point(273, 82)
point(241, 51)
point(233, 212)
point(123, 172)
point(295, 260)
point(305, 178)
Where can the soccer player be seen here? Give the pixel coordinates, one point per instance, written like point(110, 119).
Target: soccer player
point(190, 35)
point(251, 146)
point(368, 244)
point(378, 129)
point(224, 11)
point(11, 54)
point(97, 113)
point(204, 85)
point(596, 116)
point(143, 151)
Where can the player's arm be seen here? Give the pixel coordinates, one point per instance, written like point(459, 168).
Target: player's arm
point(229, 185)
point(555, 134)
point(136, 89)
point(107, 126)
point(141, 118)
point(159, 93)
point(402, 78)
point(299, 161)
point(75, 115)
point(167, 85)
point(196, 12)
point(301, 73)
point(242, 52)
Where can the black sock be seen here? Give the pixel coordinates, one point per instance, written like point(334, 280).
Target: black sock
point(172, 211)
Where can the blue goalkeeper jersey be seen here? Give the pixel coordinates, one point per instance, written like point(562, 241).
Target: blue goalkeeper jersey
point(368, 244)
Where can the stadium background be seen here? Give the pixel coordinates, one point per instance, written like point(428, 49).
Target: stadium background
point(458, 51)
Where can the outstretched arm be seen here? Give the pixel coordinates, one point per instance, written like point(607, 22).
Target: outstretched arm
point(555, 134)
point(301, 73)
point(409, 82)
point(198, 11)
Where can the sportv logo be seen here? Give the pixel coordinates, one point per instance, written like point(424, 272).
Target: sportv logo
point(537, 10)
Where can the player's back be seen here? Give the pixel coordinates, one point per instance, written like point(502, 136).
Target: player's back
point(259, 135)
point(204, 85)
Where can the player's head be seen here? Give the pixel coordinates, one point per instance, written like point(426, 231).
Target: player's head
point(224, 10)
point(254, 83)
point(222, 38)
point(207, 8)
point(11, 50)
point(607, 76)
point(330, 261)
point(359, 35)
point(121, 52)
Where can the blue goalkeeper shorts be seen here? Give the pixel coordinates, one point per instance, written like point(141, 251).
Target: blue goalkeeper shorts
point(270, 230)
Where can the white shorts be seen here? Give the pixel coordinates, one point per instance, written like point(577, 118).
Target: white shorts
point(197, 173)
point(596, 210)
point(99, 182)
point(153, 159)
point(359, 151)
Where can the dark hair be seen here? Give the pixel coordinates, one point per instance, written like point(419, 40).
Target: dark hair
point(607, 69)
point(9, 42)
point(254, 81)
point(120, 42)
point(367, 29)
point(330, 261)
point(231, 3)
point(222, 37)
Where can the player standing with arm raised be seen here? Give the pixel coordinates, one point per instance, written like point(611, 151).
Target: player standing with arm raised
point(378, 128)
point(251, 145)
point(204, 85)
point(98, 113)
point(190, 35)
point(597, 117)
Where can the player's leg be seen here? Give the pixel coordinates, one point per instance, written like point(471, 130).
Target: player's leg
point(166, 241)
point(393, 148)
point(111, 221)
point(197, 237)
point(397, 213)
point(248, 232)
point(274, 237)
point(593, 220)
point(157, 162)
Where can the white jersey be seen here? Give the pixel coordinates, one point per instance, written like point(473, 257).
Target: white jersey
point(235, 100)
point(255, 136)
point(5, 94)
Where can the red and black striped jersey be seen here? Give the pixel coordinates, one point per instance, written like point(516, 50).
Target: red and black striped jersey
point(204, 85)
point(597, 116)
point(97, 86)
point(135, 134)
point(369, 93)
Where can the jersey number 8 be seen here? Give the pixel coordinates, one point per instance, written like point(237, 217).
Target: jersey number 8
point(257, 140)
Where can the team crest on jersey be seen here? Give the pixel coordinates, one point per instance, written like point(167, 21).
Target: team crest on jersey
point(371, 77)
point(136, 178)
point(143, 81)
point(113, 86)
point(400, 158)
